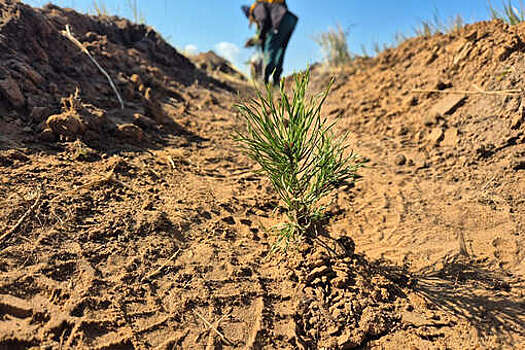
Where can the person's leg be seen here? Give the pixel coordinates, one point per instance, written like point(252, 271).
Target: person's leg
point(279, 60)
point(285, 33)
point(271, 51)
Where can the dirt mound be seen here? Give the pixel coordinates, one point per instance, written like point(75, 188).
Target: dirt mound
point(425, 90)
point(441, 120)
point(215, 64)
point(145, 228)
point(39, 67)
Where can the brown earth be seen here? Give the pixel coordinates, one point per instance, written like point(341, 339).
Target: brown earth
point(216, 65)
point(144, 228)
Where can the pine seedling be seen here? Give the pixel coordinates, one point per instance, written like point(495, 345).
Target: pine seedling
point(296, 148)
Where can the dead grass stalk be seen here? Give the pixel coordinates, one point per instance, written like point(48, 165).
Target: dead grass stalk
point(67, 33)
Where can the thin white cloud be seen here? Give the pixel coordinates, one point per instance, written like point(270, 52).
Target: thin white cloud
point(190, 50)
point(229, 51)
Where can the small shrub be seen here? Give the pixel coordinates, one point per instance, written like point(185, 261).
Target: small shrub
point(100, 8)
point(334, 45)
point(425, 29)
point(455, 24)
point(399, 38)
point(136, 13)
point(364, 51)
point(510, 14)
point(436, 25)
point(378, 48)
point(297, 150)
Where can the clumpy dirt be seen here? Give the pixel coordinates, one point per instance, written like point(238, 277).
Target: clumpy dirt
point(216, 66)
point(145, 228)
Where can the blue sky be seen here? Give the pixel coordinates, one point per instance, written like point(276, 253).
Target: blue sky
point(219, 24)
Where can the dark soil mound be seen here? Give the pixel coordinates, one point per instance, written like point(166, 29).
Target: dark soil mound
point(39, 67)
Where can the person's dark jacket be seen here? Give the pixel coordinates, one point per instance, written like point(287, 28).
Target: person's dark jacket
point(269, 16)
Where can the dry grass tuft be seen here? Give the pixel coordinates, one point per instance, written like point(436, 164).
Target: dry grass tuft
point(334, 44)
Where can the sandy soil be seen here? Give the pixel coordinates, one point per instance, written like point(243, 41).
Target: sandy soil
point(144, 228)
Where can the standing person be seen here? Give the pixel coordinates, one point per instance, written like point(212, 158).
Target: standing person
point(275, 25)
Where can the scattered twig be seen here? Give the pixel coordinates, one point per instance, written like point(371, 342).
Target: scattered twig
point(222, 318)
point(151, 275)
point(28, 212)
point(468, 92)
point(72, 336)
point(28, 241)
point(172, 163)
point(109, 177)
point(20, 196)
point(152, 171)
point(489, 182)
point(325, 246)
point(477, 88)
point(67, 33)
point(60, 346)
point(210, 326)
